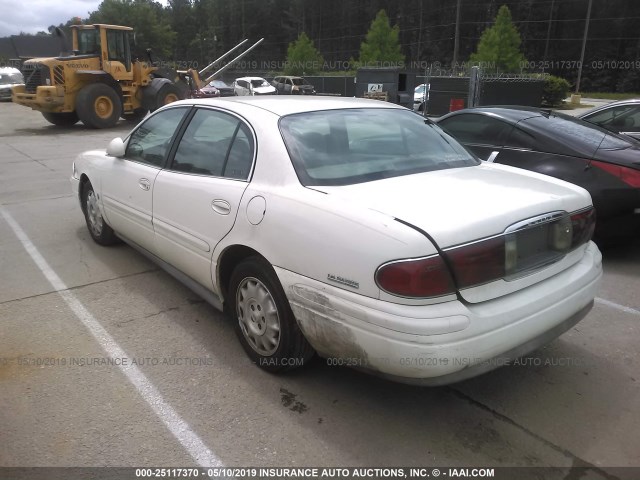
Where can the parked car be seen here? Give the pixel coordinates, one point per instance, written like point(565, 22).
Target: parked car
point(224, 89)
point(619, 117)
point(421, 97)
point(606, 164)
point(9, 77)
point(348, 227)
point(293, 86)
point(253, 86)
point(207, 91)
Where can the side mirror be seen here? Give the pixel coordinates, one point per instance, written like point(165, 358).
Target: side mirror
point(116, 148)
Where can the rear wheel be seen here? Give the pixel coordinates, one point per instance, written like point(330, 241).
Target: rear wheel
point(263, 318)
point(136, 116)
point(63, 119)
point(101, 233)
point(98, 106)
point(169, 93)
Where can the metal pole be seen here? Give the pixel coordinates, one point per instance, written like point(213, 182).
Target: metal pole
point(546, 45)
point(201, 72)
point(456, 40)
point(584, 44)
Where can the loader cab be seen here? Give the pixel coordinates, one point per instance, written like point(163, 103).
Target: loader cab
point(111, 43)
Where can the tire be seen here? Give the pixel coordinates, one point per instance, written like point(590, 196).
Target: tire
point(136, 116)
point(64, 119)
point(101, 233)
point(167, 94)
point(98, 106)
point(263, 319)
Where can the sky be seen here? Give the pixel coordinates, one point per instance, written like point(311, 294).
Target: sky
point(33, 16)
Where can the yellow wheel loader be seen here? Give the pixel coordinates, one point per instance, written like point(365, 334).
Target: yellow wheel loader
point(99, 82)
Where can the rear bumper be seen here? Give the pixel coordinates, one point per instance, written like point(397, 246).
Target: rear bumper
point(441, 343)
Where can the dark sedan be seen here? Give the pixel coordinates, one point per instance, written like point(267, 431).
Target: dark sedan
point(619, 117)
point(224, 89)
point(602, 162)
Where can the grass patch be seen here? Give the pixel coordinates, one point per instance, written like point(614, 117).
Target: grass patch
point(610, 96)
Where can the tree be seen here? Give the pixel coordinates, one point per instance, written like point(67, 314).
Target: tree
point(147, 18)
point(303, 57)
point(381, 46)
point(499, 45)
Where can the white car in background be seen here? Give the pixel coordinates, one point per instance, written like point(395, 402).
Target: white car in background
point(9, 77)
point(348, 227)
point(253, 86)
point(421, 96)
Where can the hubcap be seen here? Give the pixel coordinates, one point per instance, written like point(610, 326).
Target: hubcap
point(93, 214)
point(103, 107)
point(258, 316)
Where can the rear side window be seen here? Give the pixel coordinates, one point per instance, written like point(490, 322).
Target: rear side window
point(520, 139)
point(476, 129)
point(217, 144)
point(343, 147)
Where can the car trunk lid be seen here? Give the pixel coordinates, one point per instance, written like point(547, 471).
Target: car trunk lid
point(458, 207)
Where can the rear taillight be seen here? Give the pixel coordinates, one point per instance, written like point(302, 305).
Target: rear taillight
point(508, 256)
point(479, 262)
point(583, 224)
point(416, 277)
point(628, 175)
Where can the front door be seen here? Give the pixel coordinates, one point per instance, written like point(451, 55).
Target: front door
point(127, 183)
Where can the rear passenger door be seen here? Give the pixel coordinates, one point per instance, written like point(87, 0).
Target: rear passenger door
point(195, 200)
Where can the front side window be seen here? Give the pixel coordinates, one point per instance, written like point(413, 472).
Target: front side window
point(88, 41)
point(625, 118)
point(150, 143)
point(343, 147)
point(216, 144)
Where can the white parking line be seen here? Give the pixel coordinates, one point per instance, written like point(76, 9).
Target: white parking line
point(176, 425)
point(617, 306)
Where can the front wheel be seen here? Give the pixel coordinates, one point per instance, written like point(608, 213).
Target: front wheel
point(101, 233)
point(263, 318)
point(98, 106)
point(62, 119)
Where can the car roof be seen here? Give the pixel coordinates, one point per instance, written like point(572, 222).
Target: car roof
point(510, 113)
point(250, 78)
point(9, 70)
point(287, 105)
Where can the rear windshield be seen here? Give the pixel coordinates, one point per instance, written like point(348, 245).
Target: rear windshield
point(343, 147)
point(576, 136)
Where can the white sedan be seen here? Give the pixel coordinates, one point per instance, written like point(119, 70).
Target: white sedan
point(348, 227)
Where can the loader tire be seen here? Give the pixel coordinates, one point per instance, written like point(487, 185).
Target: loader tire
point(62, 119)
point(169, 93)
point(98, 106)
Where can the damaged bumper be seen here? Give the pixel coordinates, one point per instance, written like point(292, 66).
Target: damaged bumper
point(445, 342)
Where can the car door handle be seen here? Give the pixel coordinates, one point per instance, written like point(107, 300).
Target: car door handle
point(144, 184)
point(493, 156)
point(221, 206)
